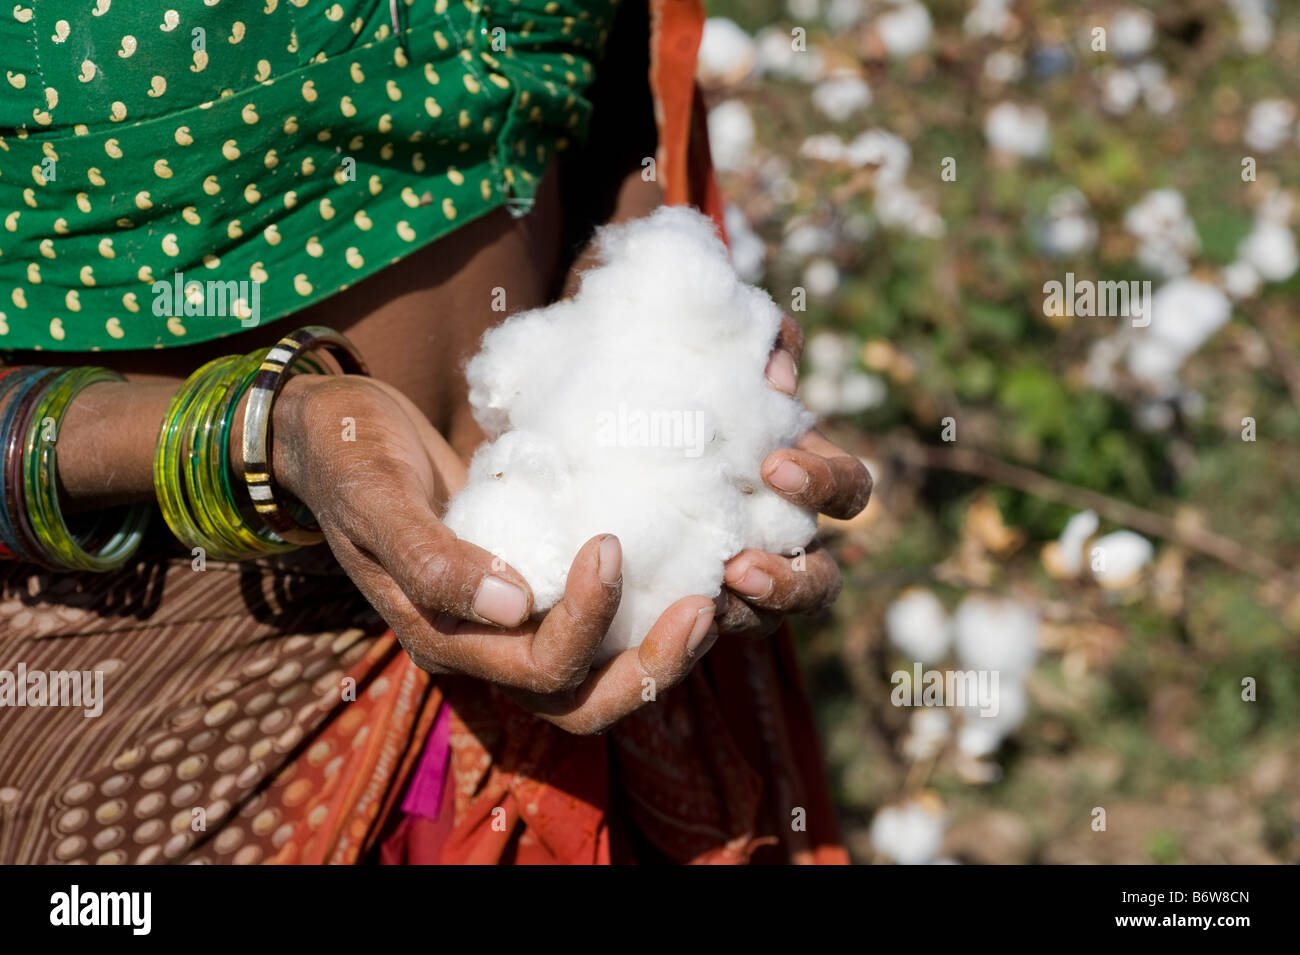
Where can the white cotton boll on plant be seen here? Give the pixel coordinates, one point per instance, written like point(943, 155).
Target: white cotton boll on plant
point(905, 29)
point(639, 408)
point(748, 251)
point(918, 625)
point(1018, 130)
point(1270, 249)
point(1270, 124)
point(1075, 534)
point(731, 135)
point(996, 634)
point(1132, 31)
point(841, 95)
point(912, 833)
point(727, 53)
point(1185, 312)
point(1118, 558)
point(987, 723)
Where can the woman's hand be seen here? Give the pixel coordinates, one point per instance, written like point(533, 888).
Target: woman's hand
point(761, 588)
point(376, 475)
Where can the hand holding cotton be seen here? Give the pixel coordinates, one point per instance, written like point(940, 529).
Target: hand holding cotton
point(639, 408)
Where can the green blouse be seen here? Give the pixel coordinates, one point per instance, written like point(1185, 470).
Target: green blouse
point(171, 175)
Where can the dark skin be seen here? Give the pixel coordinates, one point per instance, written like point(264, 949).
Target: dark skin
point(454, 607)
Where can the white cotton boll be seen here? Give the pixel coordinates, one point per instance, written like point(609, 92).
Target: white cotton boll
point(880, 148)
point(1270, 249)
point(898, 207)
point(988, 18)
point(910, 834)
point(983, 729)
point(1018, 130)
point(1184, 313)
point(1076, 533)
point(918, 625)
point(1004, 66)
point(821, 278)
point(1254, 24)
point(1156, 92)
point(748, 252)
point(731, 135)
point(1070, 229)
point(905, 29)
point(820, 391)
point(996, 634)
point(930, 729)
point(1118, 558)
point(1270, 124)
point(778, 57)
point(638, 408)
point(824, 147)
point(829, 351)
point(1132, 31)
point(860, 390)
point(806, 239)
point(1120, 91)
point(1240, 280)
point(803, 9)
point(1166, 233)
point(841, 95)
point(842, 14)
point(727, 53)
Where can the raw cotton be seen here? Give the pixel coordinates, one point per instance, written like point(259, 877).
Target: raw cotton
point(639, 408)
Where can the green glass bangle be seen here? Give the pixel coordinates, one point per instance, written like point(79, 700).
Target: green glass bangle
point(59, 548)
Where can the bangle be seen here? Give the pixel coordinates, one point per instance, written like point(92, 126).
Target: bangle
point(15, 386)
point(56, 547)
point(258, 433)
point(192, 464)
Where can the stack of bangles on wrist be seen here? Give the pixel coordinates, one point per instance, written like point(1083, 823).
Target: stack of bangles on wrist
point(194, 479)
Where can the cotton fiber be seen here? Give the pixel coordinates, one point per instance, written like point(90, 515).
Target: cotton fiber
point(640, 408)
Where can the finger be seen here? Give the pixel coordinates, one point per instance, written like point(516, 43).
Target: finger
point(437, 570)
point(783, 363)
point(790, 337)
point(556, 655)
point(681, 635)
point(738, 618)
point(805, 584)
point(826, 480)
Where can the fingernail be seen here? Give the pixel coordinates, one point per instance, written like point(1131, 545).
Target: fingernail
point(788, 476)
point(701, 629)
point(610, 557)
point(755, 583)
point(781, 371)
point(500, 601)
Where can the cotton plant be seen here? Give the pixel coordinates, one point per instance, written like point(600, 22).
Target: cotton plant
point(731, 135)
point(1115, 560)
point(1068, 229)
point(832, 383)
point(727, 54)
point(911, 832)
point(904, 28)
point(1166, 234)
point(1270, 125)
point(1018, 130)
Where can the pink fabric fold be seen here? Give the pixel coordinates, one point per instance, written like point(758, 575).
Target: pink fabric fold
point(424, 794)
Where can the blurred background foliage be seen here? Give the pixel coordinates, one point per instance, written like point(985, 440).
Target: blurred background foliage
point(925, 311)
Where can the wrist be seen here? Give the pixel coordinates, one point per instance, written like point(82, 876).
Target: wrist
point(288, 433)
point(106, 443)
